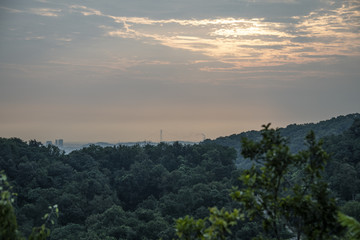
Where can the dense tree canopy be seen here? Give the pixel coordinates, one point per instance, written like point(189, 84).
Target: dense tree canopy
point(283, 191)
point(136, 192)
point(121, 192)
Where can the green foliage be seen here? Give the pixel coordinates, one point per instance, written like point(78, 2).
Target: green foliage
point(287, 205)
point(352, 209)
point(151, 184)
point(221, 223)
point(343, 172)
point(294, 133)
point(68, 232)
point(40, 233)
point(187, 228)
point(8, 224)
point(282, 189)
point(351, 224)
point(217, 226)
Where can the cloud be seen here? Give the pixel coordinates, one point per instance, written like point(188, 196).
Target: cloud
point(46, 12)
point(248, 42)
point(35, 38)
point(64, 39)
point(11, 10)
point(113, 63)
point(86, 11)
point(235, 44)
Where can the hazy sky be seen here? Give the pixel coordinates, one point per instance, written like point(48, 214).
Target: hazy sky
point(115, 70)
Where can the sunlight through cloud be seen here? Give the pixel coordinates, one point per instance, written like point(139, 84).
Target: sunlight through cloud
point(243, 42)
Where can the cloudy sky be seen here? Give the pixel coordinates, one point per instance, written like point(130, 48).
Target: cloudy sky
point(116, 70)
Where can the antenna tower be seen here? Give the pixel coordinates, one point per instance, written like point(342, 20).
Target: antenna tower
point(204, 137)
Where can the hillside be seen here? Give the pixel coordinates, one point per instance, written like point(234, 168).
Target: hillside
point(121, 192)
point(295, 133)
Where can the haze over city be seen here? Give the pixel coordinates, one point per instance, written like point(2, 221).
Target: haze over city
point(123, 70)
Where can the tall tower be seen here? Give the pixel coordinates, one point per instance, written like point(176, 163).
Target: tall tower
point(204, 137)
point(161, 135)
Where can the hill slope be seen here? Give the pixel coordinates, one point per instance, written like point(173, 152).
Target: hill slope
point(294, 132)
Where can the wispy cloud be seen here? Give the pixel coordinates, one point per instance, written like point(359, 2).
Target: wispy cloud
point(35, 38)
point(64, 39)
point(113, 63)
point(238, 43)
point(322, 35)
point(46, 12)
point(86, 11)
point(12, 10)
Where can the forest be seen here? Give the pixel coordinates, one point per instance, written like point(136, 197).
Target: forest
point(143, 192)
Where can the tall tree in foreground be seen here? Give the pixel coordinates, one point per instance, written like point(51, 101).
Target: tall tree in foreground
point(8, 223)
point(283, 190)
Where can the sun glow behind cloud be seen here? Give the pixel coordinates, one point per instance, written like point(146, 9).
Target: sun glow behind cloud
point(241, 43)
point(238, 44)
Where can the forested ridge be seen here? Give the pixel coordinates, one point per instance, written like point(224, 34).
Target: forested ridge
point(116, 192)
point(295, 133)
point(137, 192)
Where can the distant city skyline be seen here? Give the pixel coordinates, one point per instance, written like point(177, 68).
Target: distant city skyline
point(117, 71)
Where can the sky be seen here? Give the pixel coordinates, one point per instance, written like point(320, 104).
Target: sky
point(116, 70)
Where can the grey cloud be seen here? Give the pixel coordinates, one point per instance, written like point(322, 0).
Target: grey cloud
point(277, 47)
point(160, 9)
point(304, 49)
point(323, 56)
point(315, 39)
point(303, 39)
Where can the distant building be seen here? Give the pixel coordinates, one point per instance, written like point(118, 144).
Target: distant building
point(48, 143)
point(59, 142)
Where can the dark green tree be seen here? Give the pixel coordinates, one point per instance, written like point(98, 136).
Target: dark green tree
point(8, 223)
point(285, 190)
point(282, 189)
